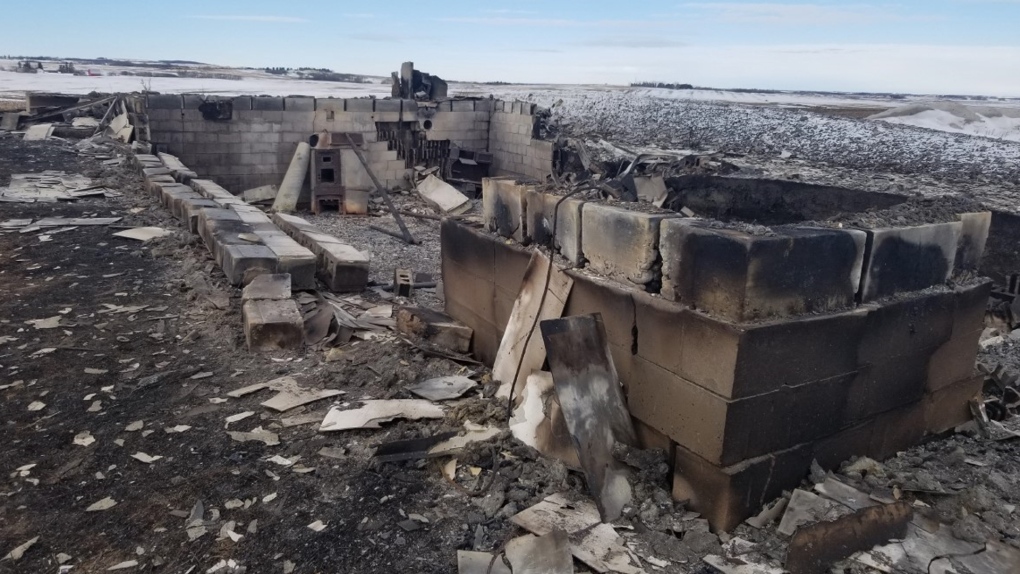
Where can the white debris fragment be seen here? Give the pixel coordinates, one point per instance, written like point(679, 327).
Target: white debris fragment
point(104, 504)
point(258, 434)
point(36, 406)
point(147, 459)
point(123, 565)
point(373, 413)
point(135, 426)
point(281, 461)
point(239, 417)
point(268, 498)
point(177, 429)
point(90, 371)
point(19, 551)
point(317, 526)
point(84, 438)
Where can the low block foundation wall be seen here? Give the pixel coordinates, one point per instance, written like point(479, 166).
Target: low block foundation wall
point(248, 141)
point(757, 357)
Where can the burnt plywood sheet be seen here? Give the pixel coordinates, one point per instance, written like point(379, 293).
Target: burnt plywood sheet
point(591, 398)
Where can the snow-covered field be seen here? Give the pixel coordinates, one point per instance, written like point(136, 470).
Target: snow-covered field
point(641, 120)
point(14, 85)
point(997, 122)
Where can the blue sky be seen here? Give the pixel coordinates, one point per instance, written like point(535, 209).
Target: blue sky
point(933, 46)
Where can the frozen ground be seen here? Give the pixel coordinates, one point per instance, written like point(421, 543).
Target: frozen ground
point(639, 119)
point(996, 122)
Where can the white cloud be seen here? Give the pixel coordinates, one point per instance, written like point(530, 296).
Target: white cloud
point(248, 18)
point(798, 14)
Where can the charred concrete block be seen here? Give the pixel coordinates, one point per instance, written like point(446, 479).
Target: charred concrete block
point(155, 182)
point(273, 325)
point(238, 259)
point(622, 244)
point(176, 202)
point(511, 262)
point(267, 103)
point(291, 258)
point(267, 286)
point(907, 325)
point(615, 302)
point(971, 302)
point(503, 208)
point(192, 207)
point(885, 386)
point(954, 361)
point(541, 208)
point(725, 431)
point(897, 430)
point(342, 268)
point(743, 277)
point(973, 236)
point(292, 224)
point(726, 496)
point(299, 104)
point(949, 406)
point(468, 267)
point(206, 217)
point(163, 102)
point(152, 171)
point(737, 361)
point(909, 258)
point(879, 437)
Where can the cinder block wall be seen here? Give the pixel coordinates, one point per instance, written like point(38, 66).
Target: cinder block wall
point(760, 353)
point(255, 146)
point(514, 151)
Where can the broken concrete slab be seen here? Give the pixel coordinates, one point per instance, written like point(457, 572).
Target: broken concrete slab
point(373, 413)
point(259, 194)
point(593, 404)
point(442, 196)
point(273, 325)
point(267, 286)
point(434, 327)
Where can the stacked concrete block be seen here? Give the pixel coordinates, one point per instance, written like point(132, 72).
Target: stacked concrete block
point(514, 150)
point(504, 208)
point(340, 266)
point(623, 244)
point(488, 275)
point(545, 209)
point(746, 405)
point(904, 259)
point(746, 277)
point(272, 324)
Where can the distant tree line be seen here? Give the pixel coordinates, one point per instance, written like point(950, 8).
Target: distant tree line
point(661, 85)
